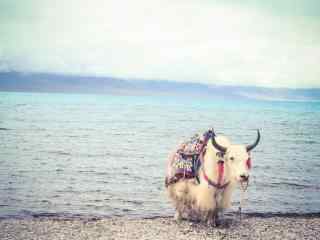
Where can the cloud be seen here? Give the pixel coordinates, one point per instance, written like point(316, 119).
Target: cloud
point(251, 43)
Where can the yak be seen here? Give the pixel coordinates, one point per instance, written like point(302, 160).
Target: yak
point(202, 195)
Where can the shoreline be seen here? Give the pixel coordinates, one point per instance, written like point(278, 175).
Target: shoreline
point(70, 216)
point(293, 226)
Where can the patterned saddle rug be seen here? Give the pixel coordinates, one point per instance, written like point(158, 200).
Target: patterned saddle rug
point(185, 162)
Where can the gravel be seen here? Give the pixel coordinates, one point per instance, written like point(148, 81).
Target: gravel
point(164, 228)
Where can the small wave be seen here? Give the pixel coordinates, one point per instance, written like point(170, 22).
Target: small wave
point(77, 136)
point(59, 216)
point(101, 173)
point(4, 129)
point(15, 176)
point(10, 189)
point(60, 153)
point(95, 155)
point(68, 191)
point(104, 182)
point(135, 202)
point(94, 191)
point(287, 184)
point(302, 141)
point(118, 134)
point(283, 214)
point(40, 215)
point(310, 141)
point(317, 164)
point(298, 186)
point(91, 205)
point(86, 171)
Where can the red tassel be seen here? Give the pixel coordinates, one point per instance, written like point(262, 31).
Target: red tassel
point(221, 171)
point(249, 163)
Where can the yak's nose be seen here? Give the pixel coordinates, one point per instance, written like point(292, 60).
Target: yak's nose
point(244, 177)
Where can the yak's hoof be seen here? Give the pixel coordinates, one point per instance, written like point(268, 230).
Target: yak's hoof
point(213, 222)
point(217, 223)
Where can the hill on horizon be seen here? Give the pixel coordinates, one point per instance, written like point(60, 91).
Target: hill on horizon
point(49, 82)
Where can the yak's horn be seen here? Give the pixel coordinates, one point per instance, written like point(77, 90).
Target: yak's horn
point(250, 147)
point(216, 145)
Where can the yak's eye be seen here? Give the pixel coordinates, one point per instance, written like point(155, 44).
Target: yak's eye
point(231, 158)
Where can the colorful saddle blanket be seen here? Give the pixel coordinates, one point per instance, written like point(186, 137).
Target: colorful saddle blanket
point(185, 162)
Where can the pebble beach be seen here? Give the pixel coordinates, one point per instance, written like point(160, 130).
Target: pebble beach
point(250, 227)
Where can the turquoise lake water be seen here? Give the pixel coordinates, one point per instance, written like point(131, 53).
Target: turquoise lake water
point(100, 155)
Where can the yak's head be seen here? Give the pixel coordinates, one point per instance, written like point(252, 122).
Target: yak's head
point(237, 158)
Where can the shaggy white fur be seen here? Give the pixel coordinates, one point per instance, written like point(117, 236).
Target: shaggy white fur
point(202, 201)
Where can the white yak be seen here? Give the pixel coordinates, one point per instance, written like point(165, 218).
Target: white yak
point(204, 199)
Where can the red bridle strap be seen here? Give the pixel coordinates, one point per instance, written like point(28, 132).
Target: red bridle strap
point(219, 184)
point(220, 171)
point(249, 164)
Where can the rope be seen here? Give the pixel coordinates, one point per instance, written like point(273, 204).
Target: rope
point(242, 197)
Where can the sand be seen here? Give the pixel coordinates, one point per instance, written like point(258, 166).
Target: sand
point(250, 227)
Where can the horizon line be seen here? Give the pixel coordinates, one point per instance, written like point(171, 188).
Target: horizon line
point(153, 80)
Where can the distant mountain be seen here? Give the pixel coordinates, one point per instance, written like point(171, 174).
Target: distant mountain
point(45, 82)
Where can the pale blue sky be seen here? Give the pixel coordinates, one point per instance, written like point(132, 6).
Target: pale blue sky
point(263, 43)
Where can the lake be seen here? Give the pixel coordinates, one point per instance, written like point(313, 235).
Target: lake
point(105, 155)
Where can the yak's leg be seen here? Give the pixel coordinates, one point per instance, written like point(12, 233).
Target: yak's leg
point(213, 218)
point(180, 210)
point(217, 220)
point(226, 196)
point(183, 201)
point(211, 221)
point(178, 216)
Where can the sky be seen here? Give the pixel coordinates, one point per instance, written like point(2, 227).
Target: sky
point(274, 43)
